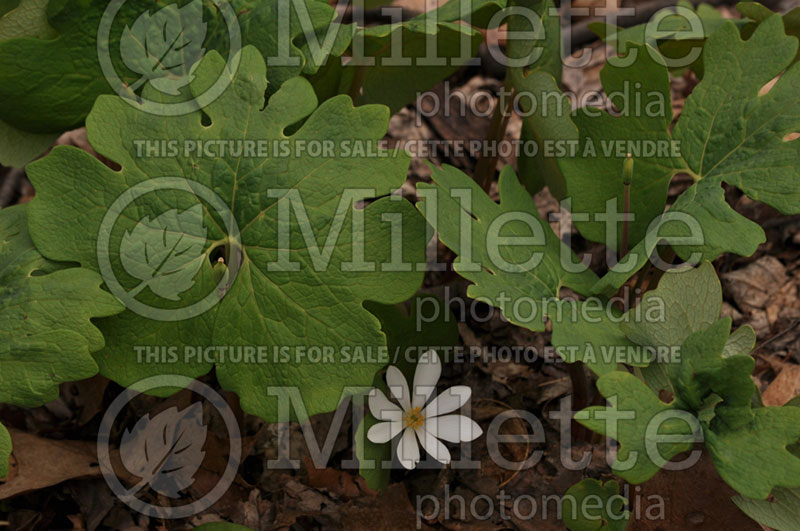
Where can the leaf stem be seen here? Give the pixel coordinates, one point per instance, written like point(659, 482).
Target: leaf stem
point(627, 179)
point(580, 397)
point(356, 83)
point(484, 170)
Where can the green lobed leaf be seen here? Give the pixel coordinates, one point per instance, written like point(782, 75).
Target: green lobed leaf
point(427, 49)
point(541, 50)
point(45, 312)
point(751, 457)
point(678, 33)
point(758, 13)
point(592, 173)
point(394, 85)
point(665, 316)
point(677, 36)
point(510, 255)
point(740, 343)
point(686, 301)
point(161, 47)
point(722, 229)
point(313, 306)
point(28, 19)
point(68, 63)
point(18, 148)
point(781, 513)
point(633, 407)
point(5, 451)
point(596, 340)
point(754, 459)
point(580, 512)
point(727, 133)
point(752, 446)
point(8, 5)
point(730, 133)
point(273, 26)
point(50, 84)
point(539, 75)
point(691, 299)
point(704, 370)
point(325, 66)
point(435, 45)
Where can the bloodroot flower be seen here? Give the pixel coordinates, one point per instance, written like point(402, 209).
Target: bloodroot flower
point(429, 424)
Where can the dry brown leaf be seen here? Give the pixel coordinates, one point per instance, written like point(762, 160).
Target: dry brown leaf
point(785, 386)
point(37, 463)
point(94, 499)
point(763, 292)
point(338, 482)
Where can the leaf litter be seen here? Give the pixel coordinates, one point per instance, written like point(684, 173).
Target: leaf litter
point(60, 463)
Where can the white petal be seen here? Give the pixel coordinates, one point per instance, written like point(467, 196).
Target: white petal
point(453, 428)
point(429, 369)
point(433, 446)
point(408, 450)
point(449, 401)
point(398, 387)
point(381, 408)
point(384, 432)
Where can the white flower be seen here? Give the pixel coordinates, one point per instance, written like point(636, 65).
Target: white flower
point(415, 420)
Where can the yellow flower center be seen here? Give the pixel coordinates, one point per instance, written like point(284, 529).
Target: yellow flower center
point(413, 419)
